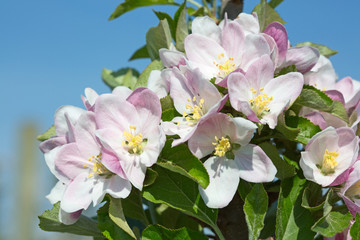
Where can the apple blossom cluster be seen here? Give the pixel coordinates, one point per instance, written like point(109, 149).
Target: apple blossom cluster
point(227, 86)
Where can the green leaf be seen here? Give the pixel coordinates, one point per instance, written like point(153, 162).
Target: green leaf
point(158, 37)
point(179, 159)
point(275, 3)
point(307, 128)
point(266, 15)
point(172, 218)
point(255, 207)
point(244, 188)
point(324, 50)
point(196, 12)
point(168, 109)
point(140, 53)
point(181, 27)
point(109, 229)
point(355, 229)
point(133, 208)
point(49, 221)
point(181, 193)
point(123, 77)
point(150, 177)
point(116, 214)
point(284, 169)
point(143, 78)
point(292, 221)
point(332, 223)
point(129, 5)
point(296, 128)
point(311, 197)
point(47, 134)
point(314, 98)
point(171, 22)
point(158, 232)
point(285, 70)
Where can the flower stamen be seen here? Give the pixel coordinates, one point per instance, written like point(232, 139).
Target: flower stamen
point(260, 102)
point(133, 142)
point(196, 110)
point(221, 146)
point(225, 67)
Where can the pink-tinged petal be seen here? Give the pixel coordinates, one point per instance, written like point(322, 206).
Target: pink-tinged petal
point(69, 162)
point(89, 99)
point(203, 50)
point(239, 95)
point(304, 58)
point(248, 22)
point(278, 32)
point(112, 112)
point(77, 195)
point(143, 98)
point(56, 193)
point(69, 218)
point(50, 162)
point(322, 75)
point(274, 51)
point(244, 130)
point(335, 95)
point(260, 72)
point(223, 82)
point(317, 119)
point(351, 91)
point(255, 46)
point(206, 26)
point(63, 115)
point(157, 84)
point(116, 186)
point(52, 143)
point(122, 92)
point(341, 178)
point(353, 207)
point(233, 40)
point(254, 165)
point(171, 58)
point(224, 180)
point(333, 121)
point(84, 134)
point(134, 169)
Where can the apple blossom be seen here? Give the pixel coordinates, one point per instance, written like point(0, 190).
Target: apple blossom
point(129, 129)
point(233, 158)
point(195, 98)
point(260, 96)
point(329, 155)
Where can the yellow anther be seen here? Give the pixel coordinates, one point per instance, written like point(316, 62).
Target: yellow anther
point(259, 103)
point(221, 146)
point(329, 162)
point(98, 167)
point(188, 106)
point(194, 99)
point(196, 111)
point(85, 165)
point(226, 66)
point(133, 142)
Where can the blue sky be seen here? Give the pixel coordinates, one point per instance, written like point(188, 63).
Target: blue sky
point(50, 51)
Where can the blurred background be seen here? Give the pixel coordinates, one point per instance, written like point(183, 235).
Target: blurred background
point(50, 51)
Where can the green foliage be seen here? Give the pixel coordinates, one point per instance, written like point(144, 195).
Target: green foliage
point(181, 27)
point(116, 214)
point(129, 5)
point(158, 37)
point(150, 177)
point(284, 169)
point(311, 199)
point(168, 109)
point(244, 188)
point(296, 128)
point(174, 219)
point(49, 221)
point(181, 193)
point(332, 223)
point(140, 53)
point(255, 207)
point(293, 221)
point(158, 232)
point(47, 134)
point(123, 77)
point(324, 50)
point(133, 207)
point(179, 159)
point(314, 98)
point(285, 70)
point(143, 78)
point(108, 227)
point(275, 3)
point(266, 15)
point(355, 228)
point(171, 22)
